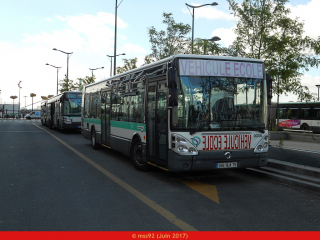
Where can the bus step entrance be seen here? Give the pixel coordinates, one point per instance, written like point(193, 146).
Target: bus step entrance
point(106, 146)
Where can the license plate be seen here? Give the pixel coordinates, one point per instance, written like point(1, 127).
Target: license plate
point(227, 165)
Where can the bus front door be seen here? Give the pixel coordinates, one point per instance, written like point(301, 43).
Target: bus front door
point(105, 118)
point(157, 123)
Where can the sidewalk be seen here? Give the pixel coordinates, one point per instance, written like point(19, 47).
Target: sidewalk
point(297, 145)
point(295, 152)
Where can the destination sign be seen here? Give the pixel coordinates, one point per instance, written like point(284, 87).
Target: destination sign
point(193, 67)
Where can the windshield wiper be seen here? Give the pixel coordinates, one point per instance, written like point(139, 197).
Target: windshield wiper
point(257, 129)
point(202, 126)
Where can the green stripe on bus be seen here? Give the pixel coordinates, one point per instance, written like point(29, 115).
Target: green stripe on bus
point(92, 120)
point(129, 125)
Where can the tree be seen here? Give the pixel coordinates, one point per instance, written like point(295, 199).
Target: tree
point(67, 85)
point(264, 31)
point(167, 43)
point(84, 81)
point(129, 64)
point(206, 47)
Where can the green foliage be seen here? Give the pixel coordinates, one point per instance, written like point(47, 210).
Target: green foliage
point(67, 85)
point(169, 42)
point(129, 64)
point(264, 31)
point(84, 81)
point(281, 142)
point(205, 47)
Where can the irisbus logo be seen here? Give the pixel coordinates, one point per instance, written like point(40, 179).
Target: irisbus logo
point(196, 141)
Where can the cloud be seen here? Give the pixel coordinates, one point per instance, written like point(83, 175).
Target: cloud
point(89, 37)
point(227, 35)
point(306, 80)
point(308, 13)
point(131, 48)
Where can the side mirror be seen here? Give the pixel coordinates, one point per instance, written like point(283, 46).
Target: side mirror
point(269, 88)
point(173, 97)
point(61, 98)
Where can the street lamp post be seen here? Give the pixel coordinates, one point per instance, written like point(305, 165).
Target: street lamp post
point(192, 14)
point(111, 61)
point(213, 39)
point(318, 86)
point(115, 38)
point(19, 96)
point(25, 102)
point(94, 69)
point(32, 95)
point(67, 60)
point(57, 73)
point(13, 98)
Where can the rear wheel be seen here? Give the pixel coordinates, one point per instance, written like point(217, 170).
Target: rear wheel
point(304, 127)
point(136, 157)
point(93, 139)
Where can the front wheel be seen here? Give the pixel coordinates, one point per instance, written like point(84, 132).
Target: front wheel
point(93, 139)
point(136, 157)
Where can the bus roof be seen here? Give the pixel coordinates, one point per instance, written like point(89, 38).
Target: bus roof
point(171, 58)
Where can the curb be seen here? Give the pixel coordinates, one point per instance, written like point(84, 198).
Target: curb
point(295, 168)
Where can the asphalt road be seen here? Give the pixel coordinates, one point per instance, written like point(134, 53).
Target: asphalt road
point(52, 181)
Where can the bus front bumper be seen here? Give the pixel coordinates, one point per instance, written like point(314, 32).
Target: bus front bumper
point(207, 160)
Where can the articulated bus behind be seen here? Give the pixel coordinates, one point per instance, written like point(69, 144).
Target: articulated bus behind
point(63, 111)
point(297, 115)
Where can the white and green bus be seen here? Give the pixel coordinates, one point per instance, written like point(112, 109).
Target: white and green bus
point(63, 111)
point(183, 113)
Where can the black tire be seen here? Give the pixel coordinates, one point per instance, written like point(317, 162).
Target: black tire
point(59, 128)
point(94, 143)
point(304, 127)
point(136, 157)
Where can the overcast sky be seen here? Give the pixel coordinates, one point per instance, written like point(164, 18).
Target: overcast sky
point(31, 29)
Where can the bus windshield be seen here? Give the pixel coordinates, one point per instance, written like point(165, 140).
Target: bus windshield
point(72, 104)
point(218, 103)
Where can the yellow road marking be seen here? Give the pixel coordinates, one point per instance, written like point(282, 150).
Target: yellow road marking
point(210, 191)
point(165, 213)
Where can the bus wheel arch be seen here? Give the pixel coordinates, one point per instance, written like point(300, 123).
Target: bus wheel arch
point(94, 143)
point(136, 155)
point(304, 126)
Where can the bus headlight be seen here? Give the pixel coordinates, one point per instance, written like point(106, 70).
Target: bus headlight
point(263, 145)
point(67, 120)
point(192, 151)
point(181, 140)
point(182, 146)
point(182, 149)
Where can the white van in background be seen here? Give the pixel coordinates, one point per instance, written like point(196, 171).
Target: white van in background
point(33, 115)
